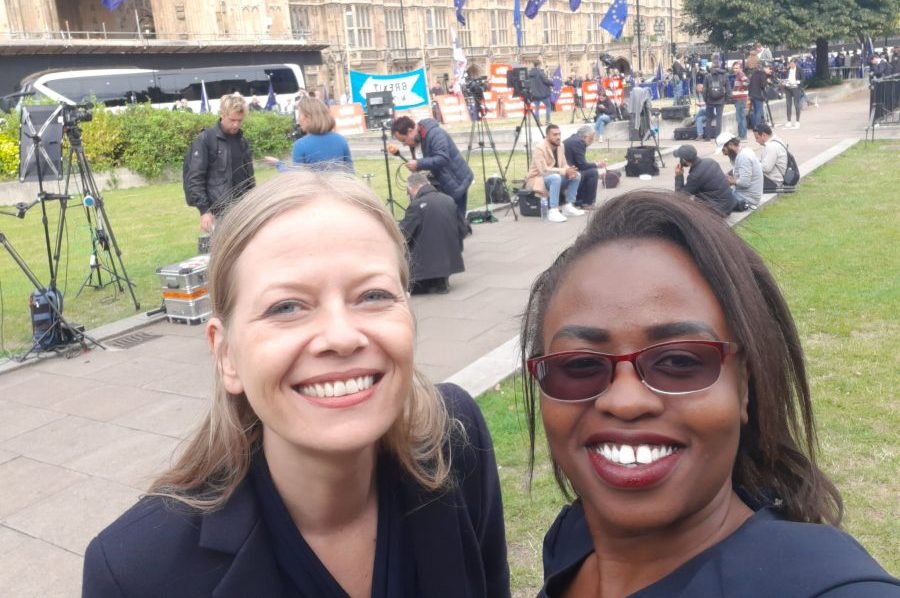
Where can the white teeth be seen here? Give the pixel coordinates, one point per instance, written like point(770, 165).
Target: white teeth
point(643, 454)
point(632, 456)
point(338, 388)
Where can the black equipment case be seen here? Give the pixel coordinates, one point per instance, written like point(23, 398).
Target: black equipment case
point(683, 133)
point(675, 112)
point(641, 160)
point(529, 203)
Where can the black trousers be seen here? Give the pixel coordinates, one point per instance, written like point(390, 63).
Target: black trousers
point(587, 189)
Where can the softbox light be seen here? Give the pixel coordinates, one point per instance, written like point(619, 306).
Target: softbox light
point(40, 143)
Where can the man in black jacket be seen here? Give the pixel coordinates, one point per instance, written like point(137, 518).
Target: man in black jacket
point(756, 89)
point(539, 85)
point(220, 168)
point(440, 156)
point(576, 148)
point(434, 234)
point(705, 181)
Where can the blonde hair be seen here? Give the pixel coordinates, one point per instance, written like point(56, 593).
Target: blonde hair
point(218, 455)
point(231, 103)
point(319, 118)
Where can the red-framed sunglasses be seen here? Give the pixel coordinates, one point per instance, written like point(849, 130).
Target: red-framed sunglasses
point(670, 368)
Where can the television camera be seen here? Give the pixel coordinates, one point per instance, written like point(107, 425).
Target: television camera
point(74, 114)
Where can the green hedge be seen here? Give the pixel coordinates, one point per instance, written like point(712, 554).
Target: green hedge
point(149, 141)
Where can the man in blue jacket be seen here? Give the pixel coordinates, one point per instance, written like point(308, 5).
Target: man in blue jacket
point(450, 174)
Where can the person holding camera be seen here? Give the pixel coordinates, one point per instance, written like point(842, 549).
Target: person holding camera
point(219, 167)
point(440, 156)
point(539, 87)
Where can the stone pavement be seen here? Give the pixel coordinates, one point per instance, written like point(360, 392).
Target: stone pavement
point(80, 439)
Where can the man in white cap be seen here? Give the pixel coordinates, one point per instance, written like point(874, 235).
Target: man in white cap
point(747, 175)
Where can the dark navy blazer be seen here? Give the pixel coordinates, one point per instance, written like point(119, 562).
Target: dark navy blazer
point(162, 548)
point(766, 557)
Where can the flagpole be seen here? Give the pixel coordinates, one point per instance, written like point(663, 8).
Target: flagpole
point(640, 29)
point(403, 25)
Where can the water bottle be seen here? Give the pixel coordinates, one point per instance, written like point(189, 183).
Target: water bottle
point(545, 207)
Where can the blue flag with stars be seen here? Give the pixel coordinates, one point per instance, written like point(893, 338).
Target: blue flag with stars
point(459, 4)
point(112, 4)
point(517, 21)
point(557, 85)
point(614, 21)
point(271, 100)
point(574, 4)
point(532, 8)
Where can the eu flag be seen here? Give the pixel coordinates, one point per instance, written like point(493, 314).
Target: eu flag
point(517, 21)
point(574, 4)
point(459, 4)
point(112, 4)
point(557, 85)
point(532, 8)
point(614, 21)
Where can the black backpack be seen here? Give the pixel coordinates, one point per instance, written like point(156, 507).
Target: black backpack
point(716, 88)
point(792, 172)
point(496, 191)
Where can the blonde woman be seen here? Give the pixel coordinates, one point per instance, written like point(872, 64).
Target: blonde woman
point(327, 465)
point(320, 144)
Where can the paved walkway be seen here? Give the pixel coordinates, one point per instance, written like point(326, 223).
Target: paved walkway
point(81, 438)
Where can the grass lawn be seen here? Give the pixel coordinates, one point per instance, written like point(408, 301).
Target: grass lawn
point(833, 248)
point(154, 228)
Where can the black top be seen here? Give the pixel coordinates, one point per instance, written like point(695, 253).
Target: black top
point(708, 184)
point(393, 574)
point(456, 542)
point(576, 149)
point(767, 556)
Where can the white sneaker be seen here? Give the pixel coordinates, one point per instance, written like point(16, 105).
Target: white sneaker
point(570, 210)
point(554, 215)
point(797, 125)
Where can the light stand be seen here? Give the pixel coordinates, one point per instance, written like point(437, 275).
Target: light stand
point(526, 125)
point(59, 331)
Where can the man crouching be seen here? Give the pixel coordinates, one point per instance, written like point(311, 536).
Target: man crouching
point(434, 233)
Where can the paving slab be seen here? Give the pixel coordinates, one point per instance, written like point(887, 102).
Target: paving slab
point(81, 437)
point(32, 567)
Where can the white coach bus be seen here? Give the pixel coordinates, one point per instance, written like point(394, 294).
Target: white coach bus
point(163, 87)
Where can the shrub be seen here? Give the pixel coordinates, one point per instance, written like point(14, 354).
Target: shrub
point(156, 139)
point(103, 139)
point(268, 133)
point(9, 146)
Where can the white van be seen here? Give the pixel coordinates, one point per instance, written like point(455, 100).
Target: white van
point(163, 87)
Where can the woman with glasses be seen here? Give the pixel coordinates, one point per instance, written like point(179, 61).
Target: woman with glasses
point(669, 375)
point(327, 466)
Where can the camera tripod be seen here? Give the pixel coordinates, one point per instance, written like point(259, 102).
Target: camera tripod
point(525, 124)
point(387, 171)
point(480, 125)
point(103, 239)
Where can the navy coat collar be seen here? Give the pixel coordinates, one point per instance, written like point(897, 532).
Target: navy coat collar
point(433, 522)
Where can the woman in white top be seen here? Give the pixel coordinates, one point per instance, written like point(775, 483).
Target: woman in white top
point(792, 92)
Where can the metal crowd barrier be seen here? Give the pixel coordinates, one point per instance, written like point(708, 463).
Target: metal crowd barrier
point(884, 104)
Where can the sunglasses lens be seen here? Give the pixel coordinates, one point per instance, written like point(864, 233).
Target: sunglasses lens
point(574, 376)
point(680, 367)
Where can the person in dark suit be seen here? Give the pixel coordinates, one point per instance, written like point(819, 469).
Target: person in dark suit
point(672, 391)
point(327, 466)
point(576, 150)
point(434, 233)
